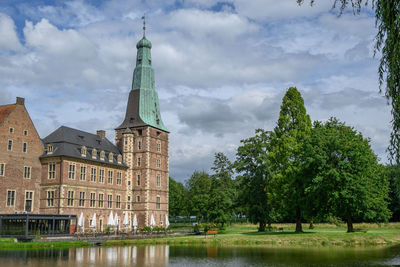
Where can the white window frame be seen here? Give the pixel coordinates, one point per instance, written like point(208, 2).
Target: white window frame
point(51, 174)
point(2, 169)
point(13, 199)
point(27, 175)
point(33, 196)
point(71, 171)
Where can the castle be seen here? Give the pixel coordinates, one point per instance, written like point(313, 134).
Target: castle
point(73, 172)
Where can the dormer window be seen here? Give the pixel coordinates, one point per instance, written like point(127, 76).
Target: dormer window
point(102, 155)
point(50, 149)
point(94, 153)
point(83, 151)
point(119, 159)
point(110, 157)
point(149, 61)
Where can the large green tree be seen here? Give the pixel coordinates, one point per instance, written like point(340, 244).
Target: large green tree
point(290, 134)
point(199, 188)
point(387, 15)
point(255, 176)
point(177, 204)
point(346, 179)
point(223, 191)
point(393, 176)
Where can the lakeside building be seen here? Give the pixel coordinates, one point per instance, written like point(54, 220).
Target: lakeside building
point(72, 171)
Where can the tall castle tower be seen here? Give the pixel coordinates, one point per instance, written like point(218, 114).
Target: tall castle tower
point(144, 140)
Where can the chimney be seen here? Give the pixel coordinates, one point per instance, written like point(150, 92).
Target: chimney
point(101, 133)
point(20, 101)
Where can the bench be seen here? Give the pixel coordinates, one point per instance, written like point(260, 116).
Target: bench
point(211, 232)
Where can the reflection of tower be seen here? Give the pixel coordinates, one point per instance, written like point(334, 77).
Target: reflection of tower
point(144, 140)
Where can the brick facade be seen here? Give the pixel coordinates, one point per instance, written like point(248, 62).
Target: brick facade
point(20, 168)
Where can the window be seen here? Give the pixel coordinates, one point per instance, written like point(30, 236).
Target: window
point(50, 198)
point(129, 207)
point(27, 172)
point(83, 151)
point(52, 170)
point(10, 198)
point(101, 176)
point(101, 200)
point(158, 180)
point(110, 157)
point(81, 199)
point(129, 198)
point(50, 149)
point(102, 155)
point(92, 202)
point(139, 161)
point(139, 145)
point(109, 201)
point(28, 201)
point(129, 183)
point(26, 132)
point(70, 202)
point(119, 178)
point(158, 147)
point(24, 147)
point(137, 198)
point(94, 153)
point(119, 159)
point(10, 143)
point(11, 130)
point(110, 177)
point(118, 202)
point(83, 173)
point(93, 175)
point(158, 202)
point(139, 132)
point(71, 171)
point(138, 179)
point(2, 169)
point(158, 163)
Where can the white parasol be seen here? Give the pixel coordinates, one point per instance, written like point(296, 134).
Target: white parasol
point(166, 221)
point(134, 223)
point(93, 224)
point(152, 221)
point(125, 222)
point(110, 221)
point(116, 220)
point(80, 221)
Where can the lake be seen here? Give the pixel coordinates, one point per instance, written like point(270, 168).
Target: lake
point(164, 255)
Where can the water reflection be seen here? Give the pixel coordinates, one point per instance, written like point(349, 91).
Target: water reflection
point(159, 255)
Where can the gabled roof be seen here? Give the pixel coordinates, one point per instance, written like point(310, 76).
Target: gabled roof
point(69, 142)
point(6, 110)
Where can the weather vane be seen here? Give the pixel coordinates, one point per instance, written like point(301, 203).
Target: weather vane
point(144, 26)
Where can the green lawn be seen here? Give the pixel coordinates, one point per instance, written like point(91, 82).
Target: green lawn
point(321, 235)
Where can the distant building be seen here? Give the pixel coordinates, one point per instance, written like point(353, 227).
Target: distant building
point(71, 171)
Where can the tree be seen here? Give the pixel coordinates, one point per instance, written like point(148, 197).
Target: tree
point(387, 20)
point(255, 176)
point(290, 134)
point(346, 179)
point(199, 188)
point(177, 198)
point(393, 176)
point(223, 191)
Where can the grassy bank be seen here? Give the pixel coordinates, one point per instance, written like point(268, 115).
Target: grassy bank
point(321, 235)
point(8, 243)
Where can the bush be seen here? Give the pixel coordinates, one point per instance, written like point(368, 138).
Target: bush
point(196, 229)
point(334, 220)
point(206, 228)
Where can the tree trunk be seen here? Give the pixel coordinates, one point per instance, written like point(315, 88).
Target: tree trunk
point(261, 228)
point(350, 228)
point(299, 228)
point(311, 224)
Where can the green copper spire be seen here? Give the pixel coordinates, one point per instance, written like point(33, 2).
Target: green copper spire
point(143, 107)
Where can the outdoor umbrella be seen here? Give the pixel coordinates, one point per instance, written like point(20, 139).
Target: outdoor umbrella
point(116, 221)
point(110, 221)
point(93, 224)
point(125, 222)
point(134, 223)
point(166, 221)
point(80, 221)
point(152, 221)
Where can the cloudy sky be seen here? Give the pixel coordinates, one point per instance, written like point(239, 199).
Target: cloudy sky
point(221, 67)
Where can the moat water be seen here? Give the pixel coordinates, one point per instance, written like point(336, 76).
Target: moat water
point(161, 255)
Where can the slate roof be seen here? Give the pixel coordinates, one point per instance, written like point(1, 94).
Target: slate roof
point(5, 110)
point(69, 142)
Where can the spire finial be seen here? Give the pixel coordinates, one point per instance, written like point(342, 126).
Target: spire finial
point(144, 25)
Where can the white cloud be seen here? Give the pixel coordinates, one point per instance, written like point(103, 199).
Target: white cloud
point(9, 39)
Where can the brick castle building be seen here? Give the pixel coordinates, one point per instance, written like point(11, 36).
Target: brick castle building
point(73, 172)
